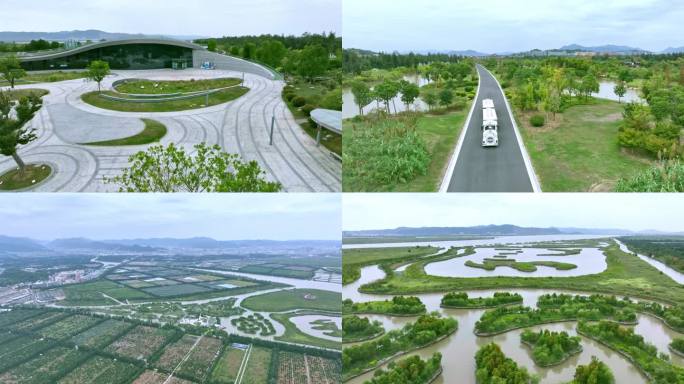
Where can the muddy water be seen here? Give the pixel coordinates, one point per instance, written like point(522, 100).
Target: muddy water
point(351, 109)
point(588, 261)
point(458, 351)
point(673, 274)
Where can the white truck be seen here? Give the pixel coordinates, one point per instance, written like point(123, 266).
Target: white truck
point(490, 136)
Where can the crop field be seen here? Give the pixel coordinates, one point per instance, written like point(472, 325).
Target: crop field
point(201, 359)
point(140, 343)
point(257, 366)
point(296, 368)
point(102, 370)
point(229, 283)
point(21, 349)
point(292, 368)
point(137, 283)
point(176, 290)
point(226, 368)
point(68, 327)
point(151, 377)
point(102, 334)
point(36, 322)
point(324, 370)
point(16, 315)
point(298, 272)
point(92, 293)
point(295, 299)
point(45, 368)
point(175, 352)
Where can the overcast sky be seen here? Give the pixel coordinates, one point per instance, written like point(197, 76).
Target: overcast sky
point(174, 17)
point(510, 25)
point(616, 211)
point(221, 216)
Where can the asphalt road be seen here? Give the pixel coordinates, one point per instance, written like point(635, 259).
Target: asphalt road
point(490, 169)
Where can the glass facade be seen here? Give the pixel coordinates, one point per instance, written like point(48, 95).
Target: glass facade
point(126, 56)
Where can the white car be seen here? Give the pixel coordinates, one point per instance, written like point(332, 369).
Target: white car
point(490, 135)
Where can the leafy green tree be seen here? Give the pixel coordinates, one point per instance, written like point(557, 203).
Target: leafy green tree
point(620, 89)
point(97, 71)
point(362, 95)
point(596, 372)
point(14, 133)
point(271, 52)
point(235, 50)
point(431, 98)
point(589, 85)
point(11, 70)
point(211, 45)
point(313, 61)
point(386, 92)
point(171, 169)
point(409, 93)
point(446, 97)
point(249, 51)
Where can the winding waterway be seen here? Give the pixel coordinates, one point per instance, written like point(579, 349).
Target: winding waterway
point(458, 351)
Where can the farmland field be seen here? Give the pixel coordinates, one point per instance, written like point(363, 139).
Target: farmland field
point(36, 322)
point(91, 293)
point(175, 352)
point(175, 290)
point(201, 359)
point(21, 349)
point(101, 334)
point(257, 366)
point(140, 343)
point(102, 370)
point(295, 299)
point(16, 315)
point(226, 368)
point(150, 377)
point(292, 368)
point(324, 370)
point(45, 368)
point(68, 327)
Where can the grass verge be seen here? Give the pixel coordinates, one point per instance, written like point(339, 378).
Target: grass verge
point(152, 133)
point(31, 175)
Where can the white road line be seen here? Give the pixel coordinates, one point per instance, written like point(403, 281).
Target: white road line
point(446, 180)
point(526, 157)
point(187, 355)
point(243, 365)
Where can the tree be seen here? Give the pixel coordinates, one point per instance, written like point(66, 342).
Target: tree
point(362, 95)
point(446, 97)
point(235, 50)
point(620, 89)
point(11, 70)
point(13, 132)
point(596, 372)
point(171, 169)
point(271, 52)
point(248, 51)
point(430, 98)
point(589, 85)
point(313, 61)
point(386, 91)
point(97, 71)
point(409, 92)
point(211, 45)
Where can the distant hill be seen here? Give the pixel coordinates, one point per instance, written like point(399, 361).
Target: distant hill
point(82, 243)
point(19, 244)
point(609, 48)
point(209, 243)
point(483, 230)
point(673, 50)
point(468, 53)
point(81, 35)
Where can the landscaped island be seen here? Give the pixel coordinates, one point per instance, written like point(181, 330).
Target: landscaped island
point(412, 370)
point(677, 346)
point(397, 306)
point(642, 354)
point(522, 266)
point(355, 259)
point(550, 348)
point(355, 329)
point(426, 330)
point(461, 300)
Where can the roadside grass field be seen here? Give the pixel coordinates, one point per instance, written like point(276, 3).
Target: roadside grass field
point(440, 133)
point(201, 359)
point(175, 352)
point(31, 175)
point(151, 377)
point(17, 315)
point(257, 366)
point(21, 349)
point(91, 293)
point(582, 153)
point(295, 299)
point(147, 87)
point(46, 367)
point(68, 327)
point(102, 334)
point(47, 77)
point(102, 370)
point(226, 368)
point(140, 343)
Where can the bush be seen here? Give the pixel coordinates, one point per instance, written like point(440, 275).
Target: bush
point(468, 88)
point(289, 96)
point(332, 100)
point(537, 120)
point(308, 108)
point(299, 101)
point(666, 177)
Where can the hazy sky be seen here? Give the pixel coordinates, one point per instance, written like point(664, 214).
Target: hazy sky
point(621, 211)
point(510, 25)
point(221, 216)
point(174, 17)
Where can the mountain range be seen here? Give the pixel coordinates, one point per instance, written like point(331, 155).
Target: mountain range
point(602, 49)
point(495, 230)
point(82, 35)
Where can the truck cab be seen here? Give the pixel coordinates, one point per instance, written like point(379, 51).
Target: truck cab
point(490, 136)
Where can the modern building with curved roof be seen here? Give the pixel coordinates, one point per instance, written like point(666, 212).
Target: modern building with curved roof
point(143, 53)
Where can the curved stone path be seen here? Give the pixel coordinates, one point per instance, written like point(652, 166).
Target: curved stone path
point(241, 126)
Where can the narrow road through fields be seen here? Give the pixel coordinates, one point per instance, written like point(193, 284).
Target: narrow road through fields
point(505, 168)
